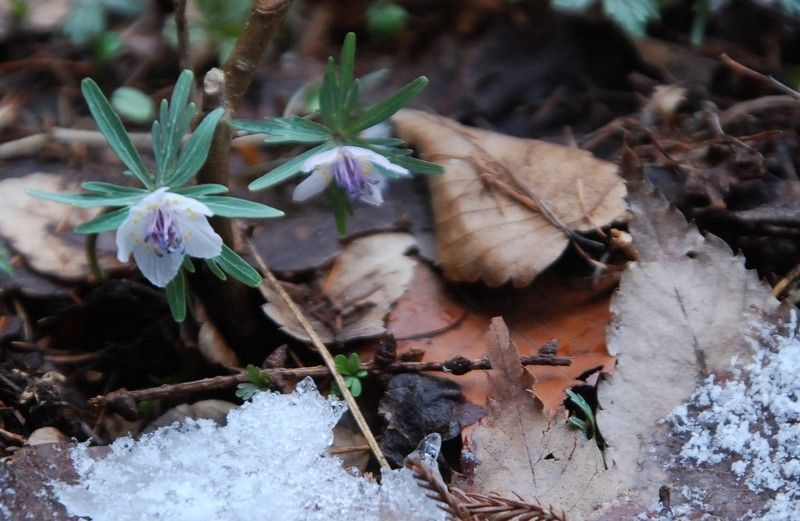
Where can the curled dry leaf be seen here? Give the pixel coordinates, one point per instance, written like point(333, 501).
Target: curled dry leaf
point(42, 230)
point(351, 300)
point(681, 313)
point(506, 207)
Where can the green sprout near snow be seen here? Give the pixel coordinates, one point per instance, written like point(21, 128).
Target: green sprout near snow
point(165, 222)
point(584, 419)
point(256, 381)
point(343, 163)
point(350, 369)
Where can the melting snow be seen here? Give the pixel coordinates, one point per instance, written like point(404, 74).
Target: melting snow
point(752, 423)
point(269, 462)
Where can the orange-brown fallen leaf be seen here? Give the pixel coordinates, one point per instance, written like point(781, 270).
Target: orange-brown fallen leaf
point(506, 208)
point(569, 311)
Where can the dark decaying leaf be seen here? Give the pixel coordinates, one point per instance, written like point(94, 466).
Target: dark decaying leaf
point(416, 405)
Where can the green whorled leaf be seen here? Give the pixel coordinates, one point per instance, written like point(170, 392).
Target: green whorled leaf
point(175, 292)
point(194, 154)
point(383, 142)
point(347, 62)
point(226, 206)
point(414, 164)
point(200, 190)
point(133, 104)
point(236, 267)
point(293, 129)
point(105, 222)
point(355, 386)
point(350, 100)
point(175, 118)
point(187, 264)
point(383, 110)
point(110, 125)
point(89, 200)
point(158, 146)
point(361, 374)
point(328, 96)
point(289, 169)
point(215, 269)
point(111, 189)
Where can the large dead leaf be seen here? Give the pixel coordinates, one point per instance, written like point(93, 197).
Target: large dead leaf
point(42, 230)
point(681, 313)
point(351, 300)
point(505, 206)
point(572, 311)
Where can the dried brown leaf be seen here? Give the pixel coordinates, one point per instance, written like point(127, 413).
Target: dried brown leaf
point(355, 295)
point(42, 230)
point(681, 313)
point(485, 204)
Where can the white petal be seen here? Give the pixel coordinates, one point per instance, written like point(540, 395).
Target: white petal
point(176, 203)
point(381, 130)
point(131, 232)
point(158, 270)
point(374, 157)
point(312, 185)
point(375, 195)
point(362, 153)
point(321, 158)
point(199, 238)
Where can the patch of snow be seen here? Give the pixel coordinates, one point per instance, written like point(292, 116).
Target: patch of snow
point(268, 462)
point(752, 423)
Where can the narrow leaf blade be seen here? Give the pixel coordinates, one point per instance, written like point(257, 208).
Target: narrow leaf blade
point(289, 169)
point(104, 223)
point(175, 292)
point(236, 267)
point(194, 154)
point(383, 110)
point(111, 126)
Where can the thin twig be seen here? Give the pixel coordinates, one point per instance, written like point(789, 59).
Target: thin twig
point(456, 366)
point(270, 279)
point(32, 144)
point(747, 71)
point(228, 303)
point(183, 34)
point(265, 18)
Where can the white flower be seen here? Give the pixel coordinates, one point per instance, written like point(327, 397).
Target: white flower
point(352, 168)
point(162, 228)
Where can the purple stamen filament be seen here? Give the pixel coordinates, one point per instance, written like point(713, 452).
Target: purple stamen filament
point(164, 234)
point(348, 173)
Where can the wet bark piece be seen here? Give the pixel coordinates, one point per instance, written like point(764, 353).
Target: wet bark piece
point(504, 207)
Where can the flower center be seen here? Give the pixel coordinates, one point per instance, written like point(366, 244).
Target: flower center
point(349, 174)
point(164, 234)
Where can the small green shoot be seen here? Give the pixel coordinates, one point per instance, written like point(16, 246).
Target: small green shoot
point(583, 418)
point(256, 381)
point(350, 369)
